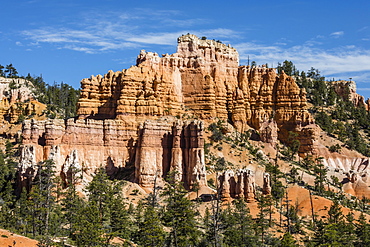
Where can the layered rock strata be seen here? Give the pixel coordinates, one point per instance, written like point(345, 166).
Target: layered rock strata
point(347, 89)
point(357, 184)
point(124, 117)
point(17, 99)
point(203, 78)
point(153, 150)
point(239, 184)
point(15, 89)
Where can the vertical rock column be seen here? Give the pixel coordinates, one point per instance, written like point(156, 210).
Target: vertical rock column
point(152, 152)
point(195, 164)
point(176, 160)
point(228, 185)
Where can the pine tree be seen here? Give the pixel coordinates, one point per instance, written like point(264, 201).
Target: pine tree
point(7, 197)
point(23, 214)
point(336, 231)
point(120, 223)
point(105, 196)
point(239, 226)
point(88, 228)
point(320, 179)
point(41, 201)
point(362, 231)
point(150, 228)
point(150, 231)
point(11, 71)
point(179, 216)
point(71, 204)
point(264, 220)
point(213, 222)
point(2, 74)
point(288, 240)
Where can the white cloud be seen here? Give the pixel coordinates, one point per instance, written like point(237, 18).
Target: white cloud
point(337, 34)
point(101, 34)
point(348, 59)
point(362, 29)
point(90, 40)
point(93, 35)
point(117, 31)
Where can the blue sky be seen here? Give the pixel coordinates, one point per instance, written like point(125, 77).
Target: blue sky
point(69, 40)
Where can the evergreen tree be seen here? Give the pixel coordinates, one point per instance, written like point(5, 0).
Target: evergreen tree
point(2, 74)
point(264, 219)
point(320, 179)
point(71, 204)
point(89, 230)
point(213, 222)
point(336, 231)
point(288, 68)
point(23, 214)
point(288, 240)
point(10, 71)
point(7, 182)
point(105, 196)
point(362, 231)
point(150, 231)
point(179, 216)
point(239, 226)
point(60, 98)
point(150, 228)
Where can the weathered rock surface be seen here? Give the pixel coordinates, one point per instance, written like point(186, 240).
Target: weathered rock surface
point(266, 189)
point(203, 78)
point(153, 150)
point(124, 117)
point(16, 103)
point(347, 89)
point(15, 89)
point(239, 184)
point(357, 183)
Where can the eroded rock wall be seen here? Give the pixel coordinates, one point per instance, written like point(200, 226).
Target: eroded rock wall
point(347, 89)
point(125, 118)
point(152, 150)
point(203, 78)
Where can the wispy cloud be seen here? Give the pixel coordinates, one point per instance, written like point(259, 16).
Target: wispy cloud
point(96, 33)
point(89, 41)
point(362, 29)
point(337, 34)
point(348, 59)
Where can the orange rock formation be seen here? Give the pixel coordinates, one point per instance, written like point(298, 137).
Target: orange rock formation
point(204, 77)
point(124, 117)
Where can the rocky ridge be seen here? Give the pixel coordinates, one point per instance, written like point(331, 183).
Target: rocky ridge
point(125, 118)
point(16, 103)
point(347, 89)
point(202, 78)
point(153, 150)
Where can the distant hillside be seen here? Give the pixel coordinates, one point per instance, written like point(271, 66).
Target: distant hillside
point(60, 98)
point(336, 107)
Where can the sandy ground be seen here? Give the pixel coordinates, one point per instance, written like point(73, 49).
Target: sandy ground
point(10, 239)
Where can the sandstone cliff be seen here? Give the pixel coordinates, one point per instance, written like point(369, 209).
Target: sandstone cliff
point(347, 89)
point(17, 103)
point(125, 117)
point(153, 150)
point(202, 78)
